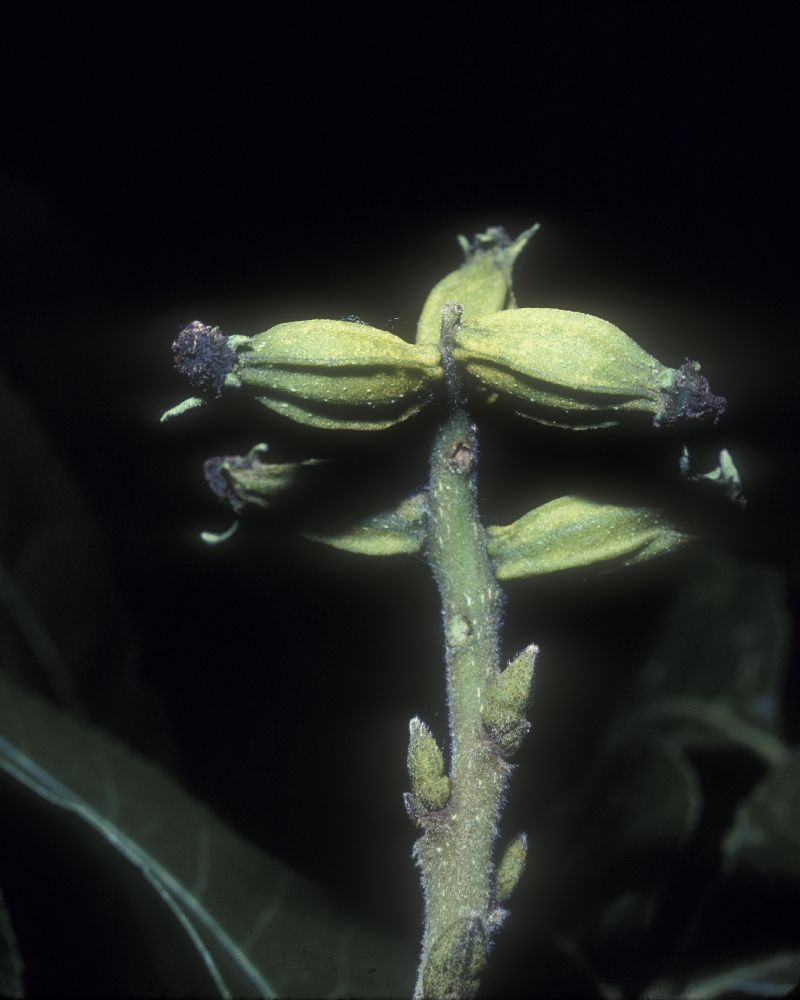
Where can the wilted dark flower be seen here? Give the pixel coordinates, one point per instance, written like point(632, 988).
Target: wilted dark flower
point(204, 356)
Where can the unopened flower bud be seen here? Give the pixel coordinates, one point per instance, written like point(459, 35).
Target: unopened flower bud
point(482, 284)
point(429, 784)
point(506, 702)
point(511, 866)
point(572, 369)
point(456, 960)
point(573, 532)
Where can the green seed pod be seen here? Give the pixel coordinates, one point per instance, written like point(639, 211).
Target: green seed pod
point(575, 532)
point(573, 370)
point(248, 481)
point(455, 962)
point(482, 284)
point(400, 531)
point(507, 698)
point(336, 374)
point(511, 866)
point(429, 784)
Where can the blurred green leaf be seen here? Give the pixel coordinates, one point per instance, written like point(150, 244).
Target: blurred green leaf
point(63, 630)
point(619, 836)
point(11, 965)
point(765, 835)
point(771, 976)
point(717, 674)
point(259, 929)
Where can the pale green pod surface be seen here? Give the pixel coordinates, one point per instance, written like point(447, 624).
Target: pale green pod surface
point(572, 369)
point(336, 374)
point(400, 531)
point(574, 532)
point(429, 783)
point(480, 286)
point(506, 702)
point(248, 481)
point(511, 866)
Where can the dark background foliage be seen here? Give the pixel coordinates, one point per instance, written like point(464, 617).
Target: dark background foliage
point(169, 164)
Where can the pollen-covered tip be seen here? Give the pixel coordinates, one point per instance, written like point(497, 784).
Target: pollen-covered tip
point(204, 356)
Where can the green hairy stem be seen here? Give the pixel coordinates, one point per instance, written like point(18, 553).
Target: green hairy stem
point(455, 853)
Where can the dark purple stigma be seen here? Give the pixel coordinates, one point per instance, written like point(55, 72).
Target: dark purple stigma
point(215, 471)
point(202, 354)
point(690, 397)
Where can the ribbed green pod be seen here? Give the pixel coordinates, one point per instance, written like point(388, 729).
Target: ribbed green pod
point(562, 361)
point(336, 374)
point(480, 286)
point(574, 532)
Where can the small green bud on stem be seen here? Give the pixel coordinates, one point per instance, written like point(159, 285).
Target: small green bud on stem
point(507, 698)
point(455, 961)
point(429, 784)
point(511, 866)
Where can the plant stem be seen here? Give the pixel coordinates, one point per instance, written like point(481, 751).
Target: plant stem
point(456, 851)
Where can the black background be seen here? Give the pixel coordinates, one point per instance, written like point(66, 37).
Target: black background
point(164, 165)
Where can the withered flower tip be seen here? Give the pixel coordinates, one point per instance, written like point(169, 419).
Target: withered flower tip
point(690, 397)
point(220, 483)
point(203, 355)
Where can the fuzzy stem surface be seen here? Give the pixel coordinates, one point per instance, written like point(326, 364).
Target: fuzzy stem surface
point(456, 851)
